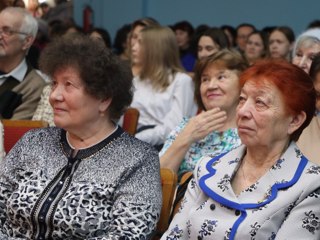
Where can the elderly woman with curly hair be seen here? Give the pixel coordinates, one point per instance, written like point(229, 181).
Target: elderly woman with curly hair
point(85, 178)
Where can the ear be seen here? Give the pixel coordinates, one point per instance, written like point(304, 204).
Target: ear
point(27, 42)
point(296, 122)
point(104, 105)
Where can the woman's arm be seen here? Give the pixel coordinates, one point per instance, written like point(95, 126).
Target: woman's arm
point(196, 129)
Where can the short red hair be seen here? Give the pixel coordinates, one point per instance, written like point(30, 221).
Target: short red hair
point(296, 86)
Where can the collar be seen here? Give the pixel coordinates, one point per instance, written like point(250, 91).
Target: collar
point(216, 183)
point(19, 72)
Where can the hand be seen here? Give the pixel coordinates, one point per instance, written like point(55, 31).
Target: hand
point(201, 125)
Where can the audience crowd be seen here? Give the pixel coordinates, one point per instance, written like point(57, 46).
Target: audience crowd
point(236, 106)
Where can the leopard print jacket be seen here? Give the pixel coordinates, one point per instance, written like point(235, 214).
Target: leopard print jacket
point(111, 190)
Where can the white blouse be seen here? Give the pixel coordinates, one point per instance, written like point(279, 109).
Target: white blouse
point(164, 110)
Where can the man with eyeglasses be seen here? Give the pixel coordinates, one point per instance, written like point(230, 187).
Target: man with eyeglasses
point(20, 84)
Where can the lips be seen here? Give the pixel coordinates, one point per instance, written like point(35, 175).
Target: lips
point(243, 128)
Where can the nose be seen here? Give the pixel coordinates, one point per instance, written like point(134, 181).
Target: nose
point(244, 109)
point(212, 84)
point(303, 62)
point(56, 94)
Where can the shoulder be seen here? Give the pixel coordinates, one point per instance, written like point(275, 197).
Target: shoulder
point(181, 76)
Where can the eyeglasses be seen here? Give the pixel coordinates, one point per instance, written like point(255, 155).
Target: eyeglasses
point(7, 32)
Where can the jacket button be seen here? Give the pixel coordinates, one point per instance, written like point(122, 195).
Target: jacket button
point(237, 212)
point(212, 206)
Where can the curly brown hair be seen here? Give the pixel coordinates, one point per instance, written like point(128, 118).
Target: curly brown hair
point(102, 72)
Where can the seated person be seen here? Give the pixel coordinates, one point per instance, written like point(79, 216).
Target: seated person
point(85, 178)
point(163, 91)
point(266, 188)
point(20, 84)
point(213, 131)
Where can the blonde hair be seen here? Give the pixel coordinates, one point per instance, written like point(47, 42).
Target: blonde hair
point(160, 56)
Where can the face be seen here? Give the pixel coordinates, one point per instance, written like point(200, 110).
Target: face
point(261, 117)
point(219, 88)
point(11, 44)
point(135, 34)
point(136, 52)
point(304, 55)
point(279, 45)
point(206, 47)
point(254, 48)
point(74, 109)
point(316, 84)
point(242, 36)
point(182, 38)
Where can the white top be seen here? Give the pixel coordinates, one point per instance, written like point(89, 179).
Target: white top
point(164, 109)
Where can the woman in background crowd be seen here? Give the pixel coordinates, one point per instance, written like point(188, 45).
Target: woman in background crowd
point(281, 42)
point(211, 41)
point(184, 34)
point(306, 48)
point(256, 47)
point(136, 28)
point(163, 92)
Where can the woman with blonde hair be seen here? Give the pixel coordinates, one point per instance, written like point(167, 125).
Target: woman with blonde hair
point(163, 92)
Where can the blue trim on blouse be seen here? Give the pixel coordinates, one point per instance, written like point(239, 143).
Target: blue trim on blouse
point(242, 207)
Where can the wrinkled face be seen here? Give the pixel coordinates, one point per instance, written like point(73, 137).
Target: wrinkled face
point(279, 46)
point(219, 88)
point(242, 36)
point(206, 47)
point(74, 109)
point(137, 52)
point(261, 117)
point(182, 38)
point(316, 84)
point(11, 44)
point(304, 55)
point(254, 48)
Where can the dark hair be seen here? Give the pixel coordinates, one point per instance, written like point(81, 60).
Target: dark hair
point(232, 32)
point(287, 32)
point(314, 24)
point(295, 85)
point(245, 25)
point(218, 36)
point(104, 34)
point(184, 26)
point(103, 74)
point(315, 67)
point(229, 59)
point(121, 38)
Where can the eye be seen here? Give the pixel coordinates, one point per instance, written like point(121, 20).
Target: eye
point(260, 103)
point(221, 77)
point(204, 79)
point(53, 84)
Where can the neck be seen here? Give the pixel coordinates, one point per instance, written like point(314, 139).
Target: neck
point(8, 64)
point(90, 136)
point(265, 156)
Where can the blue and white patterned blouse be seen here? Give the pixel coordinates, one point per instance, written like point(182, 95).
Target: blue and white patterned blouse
point(283, 204)
point(212, 145)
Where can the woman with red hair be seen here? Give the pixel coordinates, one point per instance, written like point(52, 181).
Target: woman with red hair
point(266, 188)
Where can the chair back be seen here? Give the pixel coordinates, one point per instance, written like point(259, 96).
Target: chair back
point(169, 181)
point(130, 120)
point(15, 129)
